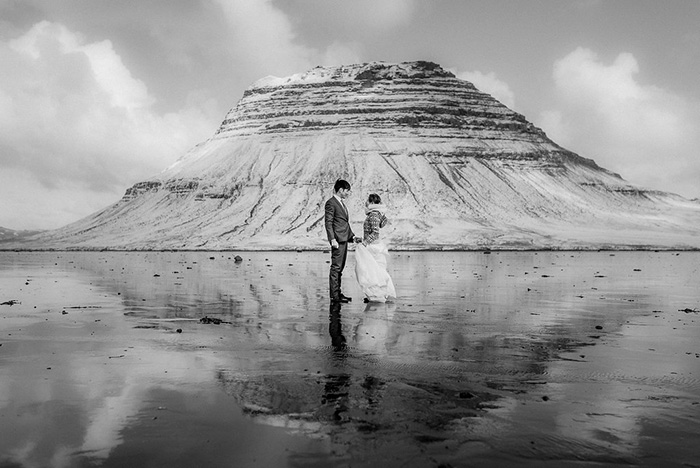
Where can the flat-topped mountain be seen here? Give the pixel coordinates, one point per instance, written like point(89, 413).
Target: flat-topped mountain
point(456, 168)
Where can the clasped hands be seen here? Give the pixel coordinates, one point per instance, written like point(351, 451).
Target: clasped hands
point(356, 239)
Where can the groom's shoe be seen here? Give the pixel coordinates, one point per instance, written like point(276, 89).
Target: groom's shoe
point(341, 299)
point(345, 298)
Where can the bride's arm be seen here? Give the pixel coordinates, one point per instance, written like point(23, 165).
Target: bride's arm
point(373, 234)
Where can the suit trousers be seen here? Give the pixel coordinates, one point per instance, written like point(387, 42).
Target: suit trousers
point(338, 257)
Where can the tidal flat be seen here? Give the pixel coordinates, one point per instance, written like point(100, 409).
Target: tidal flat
point(184, 359)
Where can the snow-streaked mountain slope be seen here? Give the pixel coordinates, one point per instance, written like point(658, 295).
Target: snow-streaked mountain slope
point(456, 169)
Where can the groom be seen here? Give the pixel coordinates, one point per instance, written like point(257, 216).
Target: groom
point(339, 234)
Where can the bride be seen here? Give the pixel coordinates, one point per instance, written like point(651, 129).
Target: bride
point(371, 255)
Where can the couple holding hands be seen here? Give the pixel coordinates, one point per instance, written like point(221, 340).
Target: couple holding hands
point(370, 254)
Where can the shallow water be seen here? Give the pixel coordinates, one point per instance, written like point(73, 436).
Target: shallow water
point(500, 359)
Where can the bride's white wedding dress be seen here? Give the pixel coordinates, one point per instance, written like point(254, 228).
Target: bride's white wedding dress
point(371, 258)
point(371, 273)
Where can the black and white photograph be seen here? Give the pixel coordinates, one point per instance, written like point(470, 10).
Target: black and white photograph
point(357, 233)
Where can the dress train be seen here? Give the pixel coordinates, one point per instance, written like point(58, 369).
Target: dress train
point(371, 272)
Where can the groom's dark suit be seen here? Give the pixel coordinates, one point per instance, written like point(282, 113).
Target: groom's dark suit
point(338, 228)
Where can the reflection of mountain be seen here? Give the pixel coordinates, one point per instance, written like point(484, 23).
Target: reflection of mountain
point(461, 362)
point(350, 402)
point(457, 169)
point(320, 405)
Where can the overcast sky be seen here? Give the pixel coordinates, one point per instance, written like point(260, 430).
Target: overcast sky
point(98, 95)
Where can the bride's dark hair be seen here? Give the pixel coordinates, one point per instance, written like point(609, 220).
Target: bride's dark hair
point(374, 199)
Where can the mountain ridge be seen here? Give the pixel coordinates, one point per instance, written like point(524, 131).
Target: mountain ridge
point(457, 169)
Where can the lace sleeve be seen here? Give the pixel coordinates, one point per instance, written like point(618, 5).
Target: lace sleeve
point(371, 228)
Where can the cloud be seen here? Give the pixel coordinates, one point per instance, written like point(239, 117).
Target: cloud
point(79, 127)
point(28, 204)
point(644, 132)
point(489, 83)
point(75, 122)
point(262, 37)
point(264, 42)
point(339, 53)
point(386, 14)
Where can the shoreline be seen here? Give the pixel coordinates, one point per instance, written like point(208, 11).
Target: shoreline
point(325, 250)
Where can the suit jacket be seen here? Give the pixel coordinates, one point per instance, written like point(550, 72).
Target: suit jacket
point(337, 223)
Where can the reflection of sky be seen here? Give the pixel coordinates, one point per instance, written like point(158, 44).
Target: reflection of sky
point(68, 381)
point(495, 325)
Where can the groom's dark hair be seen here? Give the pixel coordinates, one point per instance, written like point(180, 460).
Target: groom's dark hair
point(340, 183)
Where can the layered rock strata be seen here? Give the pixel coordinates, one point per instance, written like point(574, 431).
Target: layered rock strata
point(457, 169)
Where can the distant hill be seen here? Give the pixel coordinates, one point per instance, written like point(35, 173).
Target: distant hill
point(7, 235)
point(456, 169)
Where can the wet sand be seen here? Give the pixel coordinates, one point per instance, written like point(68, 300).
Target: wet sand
point(501, 359)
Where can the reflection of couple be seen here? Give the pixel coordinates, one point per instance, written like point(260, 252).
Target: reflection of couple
point(371, 254)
